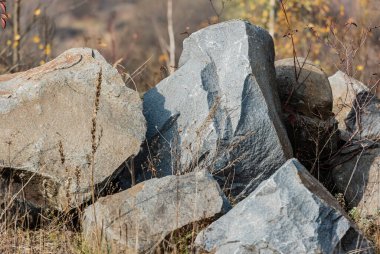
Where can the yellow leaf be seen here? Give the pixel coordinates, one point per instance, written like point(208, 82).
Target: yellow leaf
point(17, 37)
point(163, 58)
point(360, 67)
point(48, 50)
point(341, 10)
point(102, 44)
point(36, 39)
point(265, 14)
point(37, 12)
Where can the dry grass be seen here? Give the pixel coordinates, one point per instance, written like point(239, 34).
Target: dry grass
point(44, 241)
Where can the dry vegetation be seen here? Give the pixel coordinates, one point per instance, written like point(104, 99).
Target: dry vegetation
point(135, 37)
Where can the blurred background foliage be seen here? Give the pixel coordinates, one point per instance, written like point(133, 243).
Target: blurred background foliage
point(337, 34)
point(133, 34)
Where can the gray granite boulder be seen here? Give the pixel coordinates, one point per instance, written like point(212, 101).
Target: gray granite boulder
point(291, 212)
point(47, 137)
point(220, 109)
point(135, 220)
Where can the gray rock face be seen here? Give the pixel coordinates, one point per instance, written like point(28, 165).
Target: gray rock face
point(358, 179)
point(363, 121)
point(46, 122)
point(133, 221)
point(219, 110)
point(344, 90)
point(291, 212)
point(314, 140)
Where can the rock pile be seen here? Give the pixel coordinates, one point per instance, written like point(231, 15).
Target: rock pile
point(215, 140)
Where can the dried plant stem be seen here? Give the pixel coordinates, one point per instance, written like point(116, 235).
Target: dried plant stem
point(16, 33)
point(171, 66)
point(94, 146)
point(291, 36)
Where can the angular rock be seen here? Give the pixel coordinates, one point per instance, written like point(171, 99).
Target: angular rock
point(219, 110)
point(363, 121)
point(344, 90)
point(291, 212)
point(358, 178)
point(46, 122)
point(310, 94)
point(137, 219)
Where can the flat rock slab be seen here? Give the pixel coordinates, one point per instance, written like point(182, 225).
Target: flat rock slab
point(291, 212)
point(220, 109)
point(47, 116)
point(133, 221)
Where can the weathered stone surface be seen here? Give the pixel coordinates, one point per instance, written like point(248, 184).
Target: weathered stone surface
point(344, 90)
point(291, 212)
point(307, 104)
point(314, 140)
point(358, 178)
point(46, 120)
point(309, 94)
point(363, 121)
point(219, 110)
point(133, 221)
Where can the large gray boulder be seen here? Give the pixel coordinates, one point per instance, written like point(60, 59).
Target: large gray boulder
point(48, 139)
point(358, 179)
point(291, 212)
point(220, 109)
point(138, 219)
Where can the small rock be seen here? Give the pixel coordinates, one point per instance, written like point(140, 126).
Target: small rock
point(134, 220)
point(291, 212)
